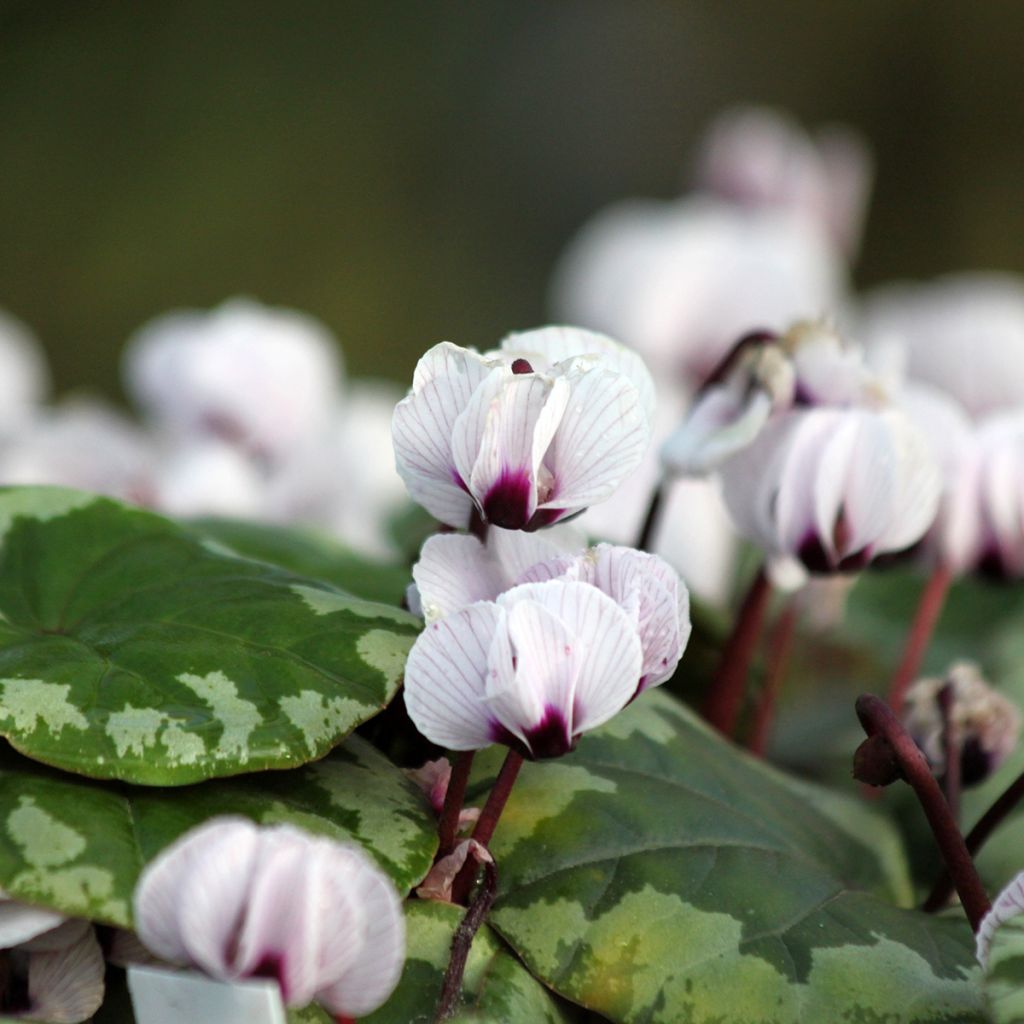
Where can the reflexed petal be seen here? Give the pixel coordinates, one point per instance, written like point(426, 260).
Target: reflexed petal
point(558, 344)
point(606, 642)
point(19, 922)
point(445, 678)
point(462, 368)
point(65, 986)
point(189, 901)
point(791, 512)
point(600, 441)
point(1008, 905)
point(456, 570)
point(373, 970)
point(867, 494)
point(517, 552)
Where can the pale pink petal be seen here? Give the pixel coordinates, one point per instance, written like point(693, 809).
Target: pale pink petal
point(433, 778)
point(19, 922)
point(606, 642)
point(65, 986)
point(445, 679)
point(456, 570)
point(189, 901)
point(559, 343)
point(518, 552)
point(799, 506)
point(371, 974)
point(462, 368)
point(438, 883)
point(600, 441)
point(470, 421)
point(867, 495)
point(1008, 905)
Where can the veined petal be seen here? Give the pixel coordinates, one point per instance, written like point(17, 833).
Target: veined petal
point(196, 924)
point(606, 643)
point(445, 678)
point(65, 986)
point(518, 552)
point(797, 502)
point(462, 368)
point(19, 922)
point(551, 345)
point(454, 571)
point(868, 493)
point(373, 970)
point(1008, 905)
point(600, 441)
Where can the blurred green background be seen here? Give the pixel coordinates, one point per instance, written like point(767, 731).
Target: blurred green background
point(410, 171)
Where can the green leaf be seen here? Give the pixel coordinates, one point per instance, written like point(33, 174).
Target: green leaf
point(496, 987)
point(78, 846)
point(1004, 975)
point(658, 874)
point(310, 553)
point(131, 650)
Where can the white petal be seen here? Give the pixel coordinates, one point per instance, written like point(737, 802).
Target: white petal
point(517, 552)
point(454, 571)
point(20, 922)
point(462, 368)
point(65, 986)
point(1008, 905)
point(600, 441)
point(189, 901)
point(445, 678)
point(372, 972)
point(606, 641)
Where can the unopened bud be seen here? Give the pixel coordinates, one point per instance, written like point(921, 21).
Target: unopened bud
point(875, 762)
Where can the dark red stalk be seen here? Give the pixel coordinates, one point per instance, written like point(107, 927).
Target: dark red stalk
point(977, 837)
point(887, 739)
point(722, 707)
point(651, 520)
point(454, 798)
point(929, 608)
point(487, 822)
point(779, 646)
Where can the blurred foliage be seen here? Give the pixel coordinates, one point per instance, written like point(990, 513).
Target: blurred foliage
point(409, 172)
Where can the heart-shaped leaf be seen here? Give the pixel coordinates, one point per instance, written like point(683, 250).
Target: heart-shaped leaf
point(496, 987)
point(78, 846)
point(131, 650)
point(657, 874)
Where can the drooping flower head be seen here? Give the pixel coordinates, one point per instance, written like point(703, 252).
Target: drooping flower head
point(238, 901)
point(528, 435)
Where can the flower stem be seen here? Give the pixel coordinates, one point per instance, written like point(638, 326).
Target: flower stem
point(651, 520)
point(976, 838)
point(487, 822)
point(779, 645)
point(722, 706)
point(462, 941)
point(929, 608)
point(453, 800)
point(881, 725)
point(951, 745)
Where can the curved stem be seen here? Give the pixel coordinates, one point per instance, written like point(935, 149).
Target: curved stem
point(977, 837)
point(779, 645)
point(880, 722)
point(454, 798)
point(951, 750)
point(722, 706)
point(929, 608)
point(651, 520)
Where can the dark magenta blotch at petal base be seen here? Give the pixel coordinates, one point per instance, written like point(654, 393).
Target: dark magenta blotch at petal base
point(817, 560)
point(549, 738)
point(507, 503)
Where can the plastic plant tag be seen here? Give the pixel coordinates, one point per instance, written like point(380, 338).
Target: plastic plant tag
point(169, 997)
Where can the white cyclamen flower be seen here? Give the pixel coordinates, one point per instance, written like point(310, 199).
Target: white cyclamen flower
point(262, 378)
point(550, 424)
point(454, 571)
point(59, 975)
point(834, 488)
point(237, 901)
point(24, 376)
point(533, 670)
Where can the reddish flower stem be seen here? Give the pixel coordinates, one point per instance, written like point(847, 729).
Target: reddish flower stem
point(976, 838)
point(780, 644)
point(929, 608)
point(487, 822)
point(652, 519)
point(723, 703)
point(881, 724)
point(454, 798)
point(951, 749)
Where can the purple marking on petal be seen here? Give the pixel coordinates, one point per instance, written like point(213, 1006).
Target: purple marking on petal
point(507, 503)
point(544, 517)
point(755, 339)
point(521, 366)
point(458, 481)
point(271, 966)
point(549, 738)
point(994, 567)
point(819, 561)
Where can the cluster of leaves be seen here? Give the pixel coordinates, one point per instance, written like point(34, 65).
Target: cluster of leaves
point(153, 675)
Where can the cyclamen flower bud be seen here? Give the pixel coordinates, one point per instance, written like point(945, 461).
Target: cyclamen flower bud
point(238, 901)
point(533, 670)
point(986, 723)
point(833, 488)
point(525, 448)
point(454, 571)
point(59, 975)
